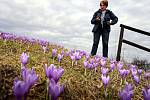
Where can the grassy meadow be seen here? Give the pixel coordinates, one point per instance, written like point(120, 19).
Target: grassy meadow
point(78, 86)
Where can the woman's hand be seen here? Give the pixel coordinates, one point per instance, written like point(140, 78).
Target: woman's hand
point(97, 18)
point(108, 23)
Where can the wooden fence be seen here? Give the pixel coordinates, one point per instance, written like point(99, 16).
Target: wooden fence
point(121, 40)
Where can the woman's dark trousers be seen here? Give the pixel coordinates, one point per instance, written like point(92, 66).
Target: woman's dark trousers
point(105, 39)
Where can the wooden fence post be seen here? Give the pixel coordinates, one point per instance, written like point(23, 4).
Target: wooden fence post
point(120, 43)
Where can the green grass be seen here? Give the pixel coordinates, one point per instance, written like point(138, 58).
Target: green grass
point(77, 85)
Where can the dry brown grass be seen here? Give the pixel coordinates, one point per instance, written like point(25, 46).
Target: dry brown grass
point(77, 85)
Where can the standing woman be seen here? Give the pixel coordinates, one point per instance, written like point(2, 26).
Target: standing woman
point(102, 20)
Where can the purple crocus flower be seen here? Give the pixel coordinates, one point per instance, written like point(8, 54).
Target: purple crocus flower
point(72, 57)
point(146, 93)
point(133, 66)
point(127, 72)
point(49, 70)
point(95, 66)
point(55, 89)
point(103, 62)
point(78, 57)
point(124, 73)
point(7, 36)
point(90, 66)
point(128, 87)
point(76, 54)
point(97, 59)
point(127, 92)
point(92, 61)
point(87, 56)
point(54, 51)
point(128, 65)
point(53, 72)
point(112, 66)
point(44, 48)
point(136, 79)
point(134, 72)
point(140, 71)
point(24, 58)
point(43, 43)
point(62, 52)
point(120, 65)
point(125, 95)
point(104, 70)
point(85, 64)
point(81, 53)
point(29, 77)
point(105, 80)
point(32, 77)
point(67, 53)
point(20, 89)
point(147, 75)
point(60, 57)
point(84, 53)
point(57, 73)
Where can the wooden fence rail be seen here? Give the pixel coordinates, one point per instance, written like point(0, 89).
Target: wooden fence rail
point(121, 40)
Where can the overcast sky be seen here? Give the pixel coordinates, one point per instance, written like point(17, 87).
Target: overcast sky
point(67, 22)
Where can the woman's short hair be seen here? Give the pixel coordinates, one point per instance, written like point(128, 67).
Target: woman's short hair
point(104, 2)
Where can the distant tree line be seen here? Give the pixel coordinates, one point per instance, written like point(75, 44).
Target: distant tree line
point(141, 63)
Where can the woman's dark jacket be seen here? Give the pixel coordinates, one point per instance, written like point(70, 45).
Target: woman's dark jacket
point(109, 17)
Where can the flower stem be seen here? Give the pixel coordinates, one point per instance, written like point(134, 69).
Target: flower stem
point(47, 94)
point(5, 42)
point(25, 96)
point(90, 73)
point(121, 82)
point(18, 98)
point(125, 80)
point(95, 70)
point(85, 71)
point(53, 60)
point(105, 92)
point(59, 63)
point(147, 82)
point(72, 63)
point(76, 62)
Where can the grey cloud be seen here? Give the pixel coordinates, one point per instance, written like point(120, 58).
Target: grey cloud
point(62, 16)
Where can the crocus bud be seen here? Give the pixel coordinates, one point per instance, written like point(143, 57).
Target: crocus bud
point(24, 58)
